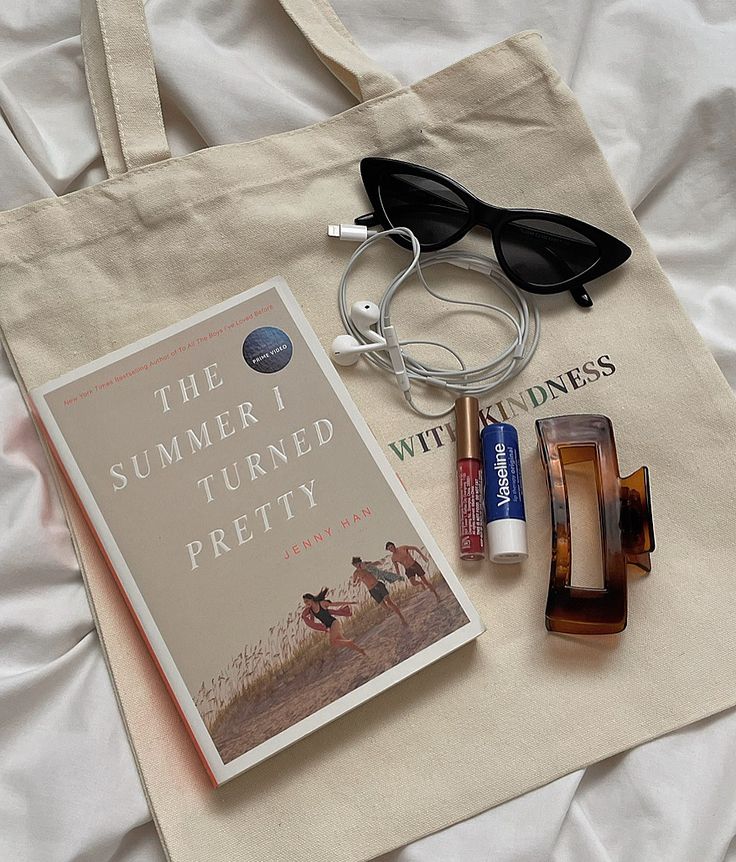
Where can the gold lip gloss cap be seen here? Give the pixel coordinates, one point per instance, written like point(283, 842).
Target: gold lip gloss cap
point(467, 433)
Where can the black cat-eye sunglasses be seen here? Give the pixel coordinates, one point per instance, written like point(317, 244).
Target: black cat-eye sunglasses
point(541, 252)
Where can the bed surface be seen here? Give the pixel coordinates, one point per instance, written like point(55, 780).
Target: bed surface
point(657, 82)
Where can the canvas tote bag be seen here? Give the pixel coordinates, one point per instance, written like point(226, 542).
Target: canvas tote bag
point(163, 239)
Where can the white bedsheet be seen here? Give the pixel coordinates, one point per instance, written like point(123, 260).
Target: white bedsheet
point(657, 80)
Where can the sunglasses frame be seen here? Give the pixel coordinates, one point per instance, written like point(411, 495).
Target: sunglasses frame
point(612, 252)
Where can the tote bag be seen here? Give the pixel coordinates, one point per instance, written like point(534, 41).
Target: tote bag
point(163, 239)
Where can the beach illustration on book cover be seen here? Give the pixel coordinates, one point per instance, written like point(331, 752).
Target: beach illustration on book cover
point(244, 511)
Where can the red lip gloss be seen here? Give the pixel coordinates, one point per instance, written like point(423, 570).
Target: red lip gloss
point(469, 480)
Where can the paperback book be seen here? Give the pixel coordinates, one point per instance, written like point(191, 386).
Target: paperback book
point(274, 564)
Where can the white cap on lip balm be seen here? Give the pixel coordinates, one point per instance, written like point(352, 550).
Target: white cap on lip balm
point(507, 541)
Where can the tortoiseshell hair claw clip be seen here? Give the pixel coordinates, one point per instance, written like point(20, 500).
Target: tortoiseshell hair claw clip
point(627, 534)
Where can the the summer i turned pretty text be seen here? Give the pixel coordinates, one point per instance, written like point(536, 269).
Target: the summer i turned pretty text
point(166, 455)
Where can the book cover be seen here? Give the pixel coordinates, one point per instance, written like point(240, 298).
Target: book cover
point(276, 567)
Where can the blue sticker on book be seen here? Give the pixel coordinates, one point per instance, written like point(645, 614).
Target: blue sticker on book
point(267, 349)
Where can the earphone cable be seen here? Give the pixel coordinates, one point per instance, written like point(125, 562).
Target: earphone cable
point(479, 380)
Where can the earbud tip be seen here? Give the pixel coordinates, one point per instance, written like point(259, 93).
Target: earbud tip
point(364, 314)
point(344, 360)
point(343, 350)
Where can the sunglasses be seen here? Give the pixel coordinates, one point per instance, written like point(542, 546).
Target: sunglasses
point(541, 252)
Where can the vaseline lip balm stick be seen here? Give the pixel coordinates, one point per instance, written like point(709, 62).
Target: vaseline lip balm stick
point(504, 497)
point(469, 479)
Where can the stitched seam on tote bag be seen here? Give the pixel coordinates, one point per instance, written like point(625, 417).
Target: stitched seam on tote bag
point(75, 198)
point(166, 213)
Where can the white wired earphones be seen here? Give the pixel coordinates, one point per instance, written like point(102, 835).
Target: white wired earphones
point(361, 338)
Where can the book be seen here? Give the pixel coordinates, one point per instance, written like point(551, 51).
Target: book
point(274, 564)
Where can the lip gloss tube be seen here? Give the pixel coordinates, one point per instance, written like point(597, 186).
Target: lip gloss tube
point(469, 480)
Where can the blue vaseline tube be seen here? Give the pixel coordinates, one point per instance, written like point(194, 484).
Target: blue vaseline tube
point(504, 494)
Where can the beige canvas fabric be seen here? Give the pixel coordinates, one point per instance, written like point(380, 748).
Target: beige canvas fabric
point(87, 273)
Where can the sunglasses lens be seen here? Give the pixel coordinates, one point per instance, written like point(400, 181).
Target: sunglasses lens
point(433, 212)
point(544, 253)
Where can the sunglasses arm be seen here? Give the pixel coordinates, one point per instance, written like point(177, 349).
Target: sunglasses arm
point(579, 293)
point(581, 296)
point(368, 220)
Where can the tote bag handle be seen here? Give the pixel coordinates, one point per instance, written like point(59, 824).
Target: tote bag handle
point(121, 76)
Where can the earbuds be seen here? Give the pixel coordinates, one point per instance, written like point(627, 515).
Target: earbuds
point(369, 332)
point(347, 350)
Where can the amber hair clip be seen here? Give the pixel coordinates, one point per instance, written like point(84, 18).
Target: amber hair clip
point(627, 533)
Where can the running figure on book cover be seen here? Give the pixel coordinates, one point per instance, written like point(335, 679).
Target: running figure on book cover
point(368, 575)
point(321, 615)
point(415, 574)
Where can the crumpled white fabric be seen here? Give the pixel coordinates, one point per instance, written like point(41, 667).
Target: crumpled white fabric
point(657, 81)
